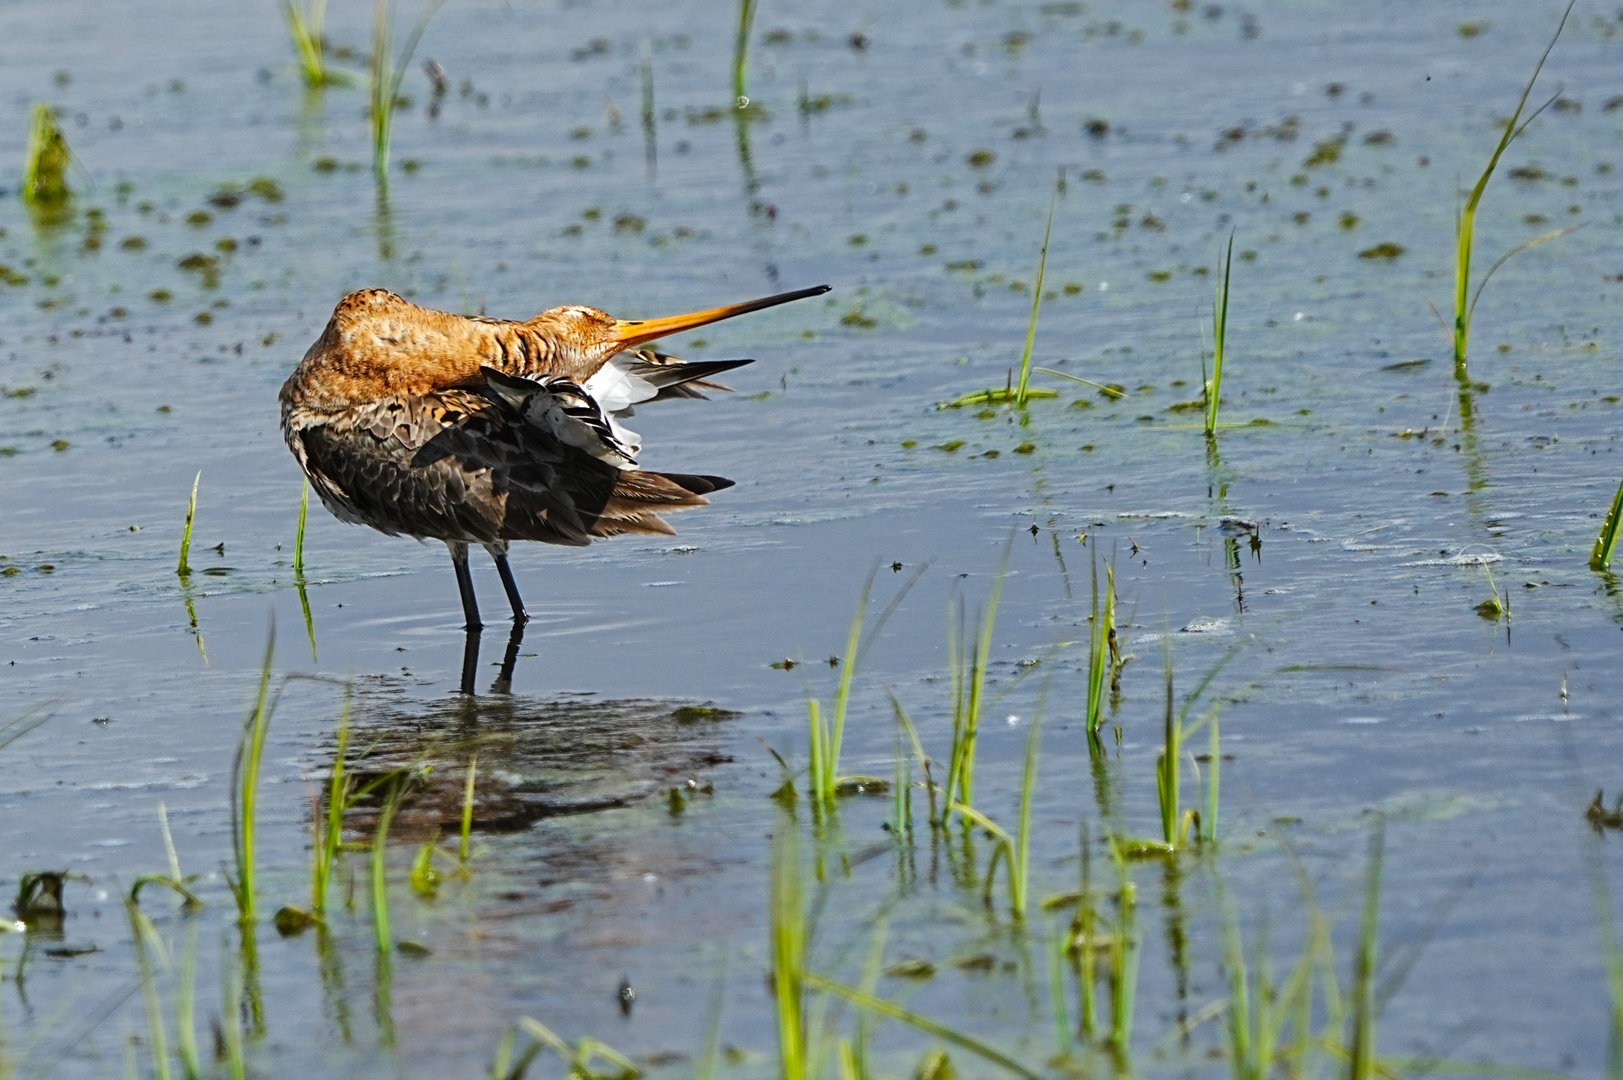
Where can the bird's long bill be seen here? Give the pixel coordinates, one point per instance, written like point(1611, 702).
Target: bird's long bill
point(634, 332)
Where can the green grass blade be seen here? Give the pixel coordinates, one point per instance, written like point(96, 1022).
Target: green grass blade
point(1021, 393)
point(788, 930)
point(1542, 238)
point(467, 809)
point(741, 53)
point(980, 658)
point(245, 785)
point(1361, 1064)
point(1220, 325)
point(306, 29)
point(1606, 542)
point(848, 672)
point(382, 77)
point(1465, 229)
point(1021, 869)
point(1110, 392)
point(45, 169)
point(186, 1012)
point(892, 1011)
point(1214, 768)
point(298, 539)
point(381, 929)
point(184, 569)
point(1167, 766)
point(147, 942)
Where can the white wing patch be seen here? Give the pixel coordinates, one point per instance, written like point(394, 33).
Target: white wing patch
point(617, 387)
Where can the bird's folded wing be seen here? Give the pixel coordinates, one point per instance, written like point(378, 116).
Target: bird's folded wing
point(469, 465)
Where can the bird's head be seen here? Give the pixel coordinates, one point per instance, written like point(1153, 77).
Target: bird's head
point(588, 337)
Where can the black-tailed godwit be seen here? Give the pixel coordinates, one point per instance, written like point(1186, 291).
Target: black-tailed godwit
point(485, 431)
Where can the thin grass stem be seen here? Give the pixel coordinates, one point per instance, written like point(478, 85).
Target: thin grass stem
point(184, 568)
point(741, 53)
point(1361, 1063)
point(298, 539)
point(788, 916)
point(245, 783)
point(381, 931)
point(186, 1011)
point(329, 837)
point(892, 1011)
point(1023, 391)
point(1465, 229)
point(1220, 324)
point(467, 809)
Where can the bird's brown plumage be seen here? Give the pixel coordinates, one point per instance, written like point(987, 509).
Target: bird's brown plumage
point(394, 417)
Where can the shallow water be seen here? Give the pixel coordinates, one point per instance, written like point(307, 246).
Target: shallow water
point(1368, 682)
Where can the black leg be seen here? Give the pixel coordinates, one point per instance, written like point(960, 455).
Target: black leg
point(464, 582)
point(499, 553)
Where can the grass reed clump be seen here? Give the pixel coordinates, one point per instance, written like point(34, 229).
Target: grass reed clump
point(967, 660)
point(1105, 948)
point(45, 169)
point(329, 827)
point(1018, 394)
point(245, 789)
point(1220, 325)
point(184, 568)
point(1258, 1011)
point(1014, 851)
point(387, 73)
point(1606, 543)
point(305, 25)
point(1023, 391)
point(381, 929)
point(1465, 228)
point(826, 736)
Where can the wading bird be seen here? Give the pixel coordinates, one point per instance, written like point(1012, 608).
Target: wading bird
point(484, 431)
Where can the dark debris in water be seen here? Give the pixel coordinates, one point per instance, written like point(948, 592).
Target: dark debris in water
point(1600, 818)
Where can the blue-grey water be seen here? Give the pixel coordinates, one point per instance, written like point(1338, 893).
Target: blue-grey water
point(1342, 533)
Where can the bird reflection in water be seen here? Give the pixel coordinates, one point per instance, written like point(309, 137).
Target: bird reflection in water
point(538, 757)
point(503, 683)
